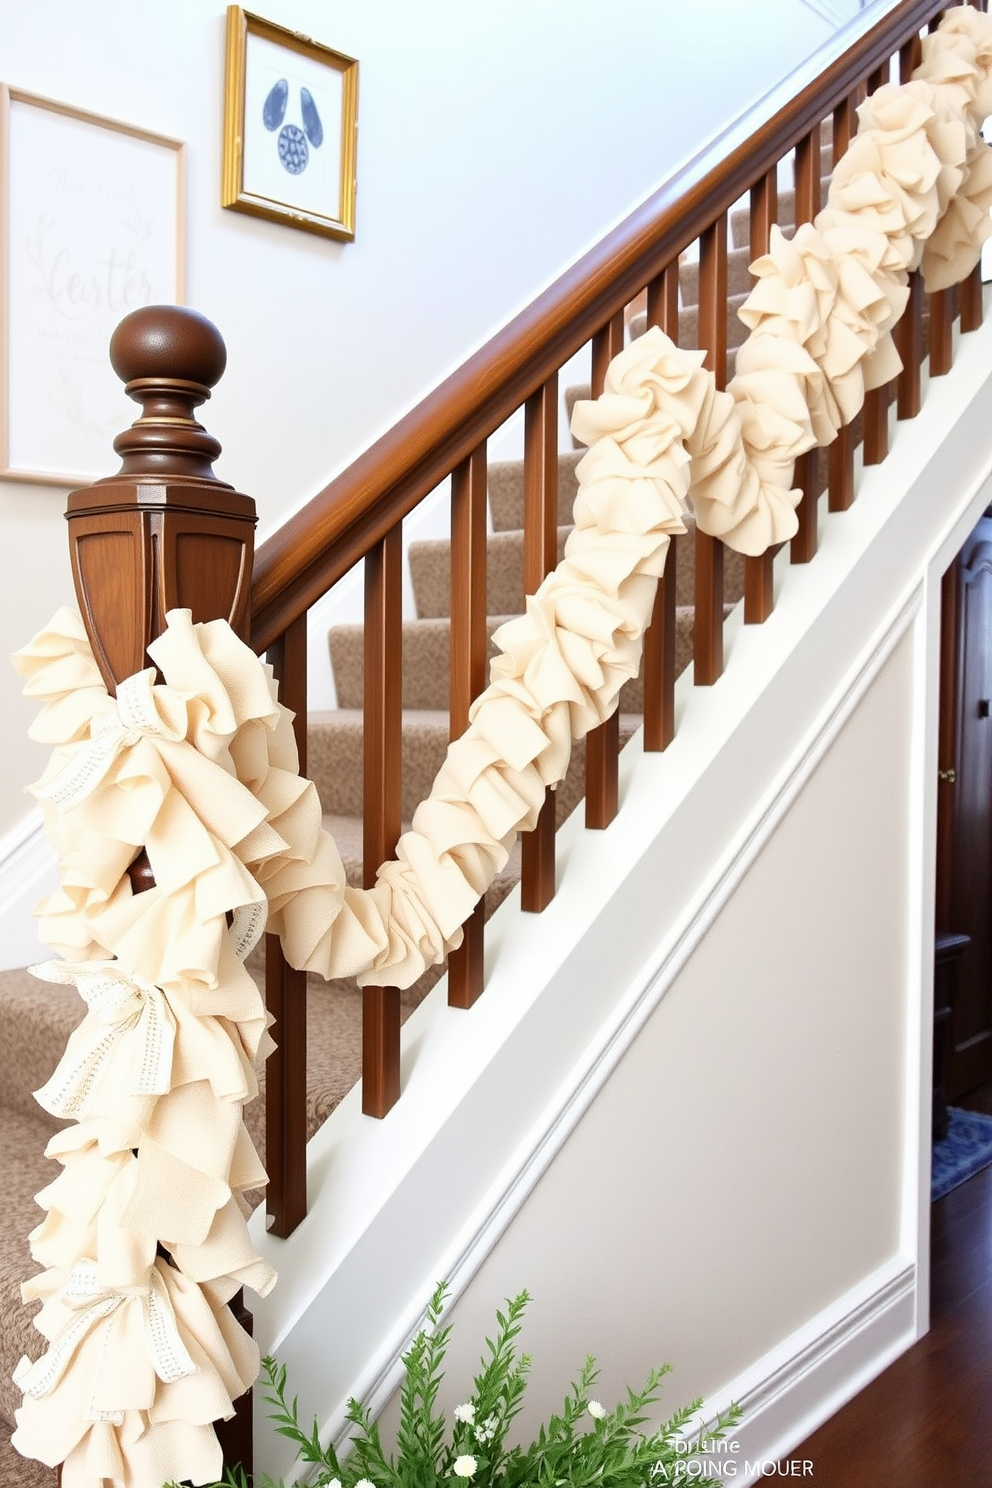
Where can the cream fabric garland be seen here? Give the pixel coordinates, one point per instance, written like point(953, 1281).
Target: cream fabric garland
point(201, 769)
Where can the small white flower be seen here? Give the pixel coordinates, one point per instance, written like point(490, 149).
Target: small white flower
point(487, 1430)
point(596, 1410)
point(465, 1413)
point(334, 1483)
point(363, 1483)
point(464, 1467)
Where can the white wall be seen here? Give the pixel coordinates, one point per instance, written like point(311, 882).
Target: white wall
point(497, 142)
point(743, 1166)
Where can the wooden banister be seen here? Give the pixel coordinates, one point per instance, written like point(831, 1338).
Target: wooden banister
point(331, 533)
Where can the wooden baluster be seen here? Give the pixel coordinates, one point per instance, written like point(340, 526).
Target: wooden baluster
point(972, 310)
point(164, 533)
point(970, 290)
point(382, 797)
point(708, 630)
point(658, 665)
point(909, 331)
point(941, 332)
point(537, 878)
point(286, 997)
point(909, 343)
point(876, 407)
point(941, 303)
point(840, 478)
point(759, 572)
point(468, 675)
point(603, 743)
point(807, 472)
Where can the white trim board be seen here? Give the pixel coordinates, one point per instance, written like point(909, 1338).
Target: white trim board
point(27, 872)
point(787, 1394)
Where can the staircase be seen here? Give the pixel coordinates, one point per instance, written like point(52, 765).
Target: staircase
point(40, 1016)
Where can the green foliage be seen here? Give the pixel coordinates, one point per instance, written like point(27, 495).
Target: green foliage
point(582, 1446)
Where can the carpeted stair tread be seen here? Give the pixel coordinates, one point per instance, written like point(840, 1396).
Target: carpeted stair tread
point(434, 558)
point(506, 491)
point(430, 571)
point(26, 1171)
point(335, 745)
point(739, 281)
point(740, 219)
point(335, 757)
point(38, 1018)
point(428, 688)
point(21, 1472)
point(334, 1050)
point(426, 661)
point(689, 324)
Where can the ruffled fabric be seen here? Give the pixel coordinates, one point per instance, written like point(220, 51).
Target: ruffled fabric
point(152, 1366)
point(144, 1241)
point(913, 190)
point(143, 1227)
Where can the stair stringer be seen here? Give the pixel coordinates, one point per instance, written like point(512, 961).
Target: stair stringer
point(493, 1098)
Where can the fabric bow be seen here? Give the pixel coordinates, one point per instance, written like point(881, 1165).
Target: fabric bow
point(90, 1304)
point(119, 1005)
point(141, 711)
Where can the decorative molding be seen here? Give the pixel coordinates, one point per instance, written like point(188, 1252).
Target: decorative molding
point(787, 1394)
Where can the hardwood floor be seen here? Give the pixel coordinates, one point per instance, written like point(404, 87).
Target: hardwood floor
point(927, 1420)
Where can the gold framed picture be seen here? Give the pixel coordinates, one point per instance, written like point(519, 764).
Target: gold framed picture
point(290, 128)
point(92, 226)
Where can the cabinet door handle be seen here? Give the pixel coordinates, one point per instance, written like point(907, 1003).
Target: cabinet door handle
point(947, 775)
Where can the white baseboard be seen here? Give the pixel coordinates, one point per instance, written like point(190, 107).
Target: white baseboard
point(806, 1379)
point(27, 873)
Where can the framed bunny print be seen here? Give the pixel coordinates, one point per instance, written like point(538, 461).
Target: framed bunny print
point(290, 127)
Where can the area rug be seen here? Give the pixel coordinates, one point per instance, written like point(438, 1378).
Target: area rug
point(965, 1150)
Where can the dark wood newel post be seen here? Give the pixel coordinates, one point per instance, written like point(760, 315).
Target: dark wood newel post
point(164, 533)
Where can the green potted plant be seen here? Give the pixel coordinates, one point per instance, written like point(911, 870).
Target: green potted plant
point(585, 1444)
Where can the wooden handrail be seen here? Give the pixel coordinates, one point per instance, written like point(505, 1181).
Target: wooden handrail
point(332, 532)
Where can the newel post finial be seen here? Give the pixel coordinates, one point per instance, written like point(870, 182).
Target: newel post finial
point(164, 532)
